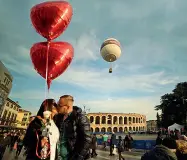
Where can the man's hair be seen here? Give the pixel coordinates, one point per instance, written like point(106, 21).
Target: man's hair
point(169, 142)
point(67, 97)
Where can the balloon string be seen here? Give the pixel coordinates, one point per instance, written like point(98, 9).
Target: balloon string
point(46, 76)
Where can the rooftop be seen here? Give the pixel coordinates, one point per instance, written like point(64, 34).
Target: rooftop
point(15, 103)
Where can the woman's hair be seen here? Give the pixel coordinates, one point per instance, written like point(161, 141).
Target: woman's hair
point(48, 104)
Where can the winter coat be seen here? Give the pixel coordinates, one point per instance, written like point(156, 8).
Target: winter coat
point(4, 141)
point(30, 140)
point(120, 145)
point(77, 132)
point(113, 140)
point(160, 152)
point(94, 142)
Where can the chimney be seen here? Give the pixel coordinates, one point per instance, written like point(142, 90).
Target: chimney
point(17, 102)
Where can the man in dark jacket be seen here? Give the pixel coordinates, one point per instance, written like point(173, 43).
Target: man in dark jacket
point(74, 127)
point(159, 139)
point(4, 142)
point(112, 143)
point(166, 151)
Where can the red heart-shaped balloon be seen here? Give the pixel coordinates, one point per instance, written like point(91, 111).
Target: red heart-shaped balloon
point(50, 19)
point(60, 55)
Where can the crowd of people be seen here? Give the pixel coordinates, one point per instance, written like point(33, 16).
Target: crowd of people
point(172, 146)
point(120, 144)
point(12, 141)
point(61, 131)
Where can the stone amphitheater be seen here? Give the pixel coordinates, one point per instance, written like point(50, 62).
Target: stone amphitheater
point(117, 122)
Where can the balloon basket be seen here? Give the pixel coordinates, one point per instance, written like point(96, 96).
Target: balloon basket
point(110, 70)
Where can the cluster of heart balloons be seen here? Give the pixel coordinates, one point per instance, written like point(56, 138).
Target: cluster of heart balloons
point(50, 19)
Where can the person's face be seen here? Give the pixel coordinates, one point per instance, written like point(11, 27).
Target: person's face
point(63, 106)
point(5, 134)
point(54, 110)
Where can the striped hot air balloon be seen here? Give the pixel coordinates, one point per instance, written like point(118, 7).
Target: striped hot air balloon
point(110, 50)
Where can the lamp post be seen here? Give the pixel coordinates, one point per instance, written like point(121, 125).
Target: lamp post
point(86, 109)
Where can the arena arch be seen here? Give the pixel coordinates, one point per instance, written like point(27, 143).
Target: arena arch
point(109, 120)
point(130, 128)
point(125, 129)
point(136, 120)
point(115, 120)
point(133, 120)
point(125, 120)
point(91, 119)
point(92, 130)
point(97, 120)
point(120, 120)
point(103, 129)
point(115, 129)
point(103, 121)
point(109, 129)
point(120, 129)
point(97, 129)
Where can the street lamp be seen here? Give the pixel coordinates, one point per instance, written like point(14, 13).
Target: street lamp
point(86, 109)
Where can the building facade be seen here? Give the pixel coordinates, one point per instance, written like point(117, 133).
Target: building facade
point(152, 125)
point(117, 122)
point(9, 113)
point(23, 119)
point(5, 85)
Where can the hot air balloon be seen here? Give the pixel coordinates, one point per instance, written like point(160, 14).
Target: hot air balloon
point(110, 51)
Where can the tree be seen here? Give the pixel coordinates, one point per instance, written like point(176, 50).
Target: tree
point(173, 106)
point(158, 120)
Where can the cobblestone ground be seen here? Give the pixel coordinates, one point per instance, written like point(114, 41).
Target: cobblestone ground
point(102, 155)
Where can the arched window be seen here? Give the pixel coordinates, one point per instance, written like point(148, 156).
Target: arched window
point(125, 120)
point(120, 120)
point(91, 119)
point(97, 121)
point(103, 121)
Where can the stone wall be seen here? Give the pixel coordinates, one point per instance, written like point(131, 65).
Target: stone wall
point(117, 122)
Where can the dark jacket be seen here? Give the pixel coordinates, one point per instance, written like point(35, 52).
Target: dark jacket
point(113, 140)
point(159, 140)
point(30, 139)
point(128, 141)
point(120, 145)
point(160, 152)
point(94, 142)
point(14, 139)
point(77, 131)
point(4, 141)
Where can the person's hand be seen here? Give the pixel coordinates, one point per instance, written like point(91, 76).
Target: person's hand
point(42, 119)
point(44, 141)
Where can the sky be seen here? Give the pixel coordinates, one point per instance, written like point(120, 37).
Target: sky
point(153, 40)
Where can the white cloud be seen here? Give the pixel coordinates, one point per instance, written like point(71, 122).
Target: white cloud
point(98, 79)
point(34, 94)
point(86, 47)
point(125, 105)
point(102, 81)
point(143, 105)
point(23, 53)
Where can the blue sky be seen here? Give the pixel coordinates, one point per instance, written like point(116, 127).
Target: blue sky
point(154, 43)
